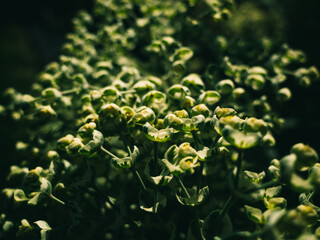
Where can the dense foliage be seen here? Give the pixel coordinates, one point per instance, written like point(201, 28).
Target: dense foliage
point(158, 123)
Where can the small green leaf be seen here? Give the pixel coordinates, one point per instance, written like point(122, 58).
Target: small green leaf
point(171, 153)
point(239, 139)
point(93, 145)
point(45, 228)
point(182, 54)
point(73, 148)
point(35, 199)
point(196, 198)
point(254, 214)
point(156, 135)
point(125, 162)
point(43, 225)
point(204, 154)
point(209, 97)
point(173, 169)
point(46, 186)
point(152, 202)
point(19, 196)
point(162, 180)
point(273, 192)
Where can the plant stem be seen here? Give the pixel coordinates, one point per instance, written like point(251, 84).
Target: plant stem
point(155, 159)
point(239, 163)
point(196, 143)
point(70, 91)
point(231, 200)
point(107, 152)
point(125, 143)
point(195, 139)
point(57, 199)
point(140, 179)
point(215, 142)
point(155, 172)
point(182, 187)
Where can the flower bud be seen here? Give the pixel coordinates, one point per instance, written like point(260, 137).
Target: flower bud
point(256, 81)
point(51, 95)
point(63, 142)
point(194, 83)
point(284, 94)
point(306, 156)
point(86, 130)
point(173, 121)
point(225, 86)
point(74, 147)
point(143, 115)
point(186, 150)
point(224, 112)
point(178, 92)
point(111, 119)
point(45, 113)
point(255, 125)
point(181, 113)
point(209, 97)
point(200, 109)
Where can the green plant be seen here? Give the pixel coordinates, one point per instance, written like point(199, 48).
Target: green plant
point(154, 124)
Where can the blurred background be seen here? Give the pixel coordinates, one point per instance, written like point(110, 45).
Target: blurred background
point(32, 33)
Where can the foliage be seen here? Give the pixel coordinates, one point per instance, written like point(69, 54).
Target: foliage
point(155, 123)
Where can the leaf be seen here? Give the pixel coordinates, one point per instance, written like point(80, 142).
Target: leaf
point(162, 180)
point(182, 54)
point(254, 214)
point(36, 198)
point(239, 139)
point(135, 154)
point(273, 192)
point(156, 135)
point(151, 201)
point(204, 154)
point(171, 153)
point(93, 145)
point(19, 196)
point(46, 186)
point(173, 169)
point(45, 228)
point(43, 225)
point(195, 198)
point(209, 97)
point(125, 162)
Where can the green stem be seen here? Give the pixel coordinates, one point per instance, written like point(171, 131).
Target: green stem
point(107, 152)
point(196, 143)
point(140, 179)
point(70, 91)
point(229, 203)
point(125, 143)
point(155, 159)
point(239, 163)
point(156, 171)
point(57, 199)
point(232, 199)
point(182, 187)
point(215, 142)
point(195, 139)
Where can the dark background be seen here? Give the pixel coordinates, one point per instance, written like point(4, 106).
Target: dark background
point(32, 32)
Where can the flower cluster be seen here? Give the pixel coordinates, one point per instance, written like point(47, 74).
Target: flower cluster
point(137, 132)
